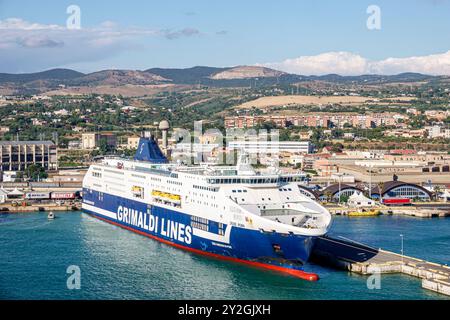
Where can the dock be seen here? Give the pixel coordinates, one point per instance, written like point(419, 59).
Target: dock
point(8, 208)
point(365, 260)
point(432, 211)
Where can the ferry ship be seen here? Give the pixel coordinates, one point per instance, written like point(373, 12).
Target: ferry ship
point(229, 212)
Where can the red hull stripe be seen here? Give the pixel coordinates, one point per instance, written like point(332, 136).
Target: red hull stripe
point(296, 273)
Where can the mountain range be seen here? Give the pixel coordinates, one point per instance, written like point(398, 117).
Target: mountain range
point(210, 76)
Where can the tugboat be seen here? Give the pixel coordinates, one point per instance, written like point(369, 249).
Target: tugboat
point(51, 215)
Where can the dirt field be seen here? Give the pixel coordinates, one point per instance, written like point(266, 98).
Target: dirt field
point(266, 102)
point(126, 90)
point(7, 91)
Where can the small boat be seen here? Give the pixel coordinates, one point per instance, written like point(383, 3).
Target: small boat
point(51, 215)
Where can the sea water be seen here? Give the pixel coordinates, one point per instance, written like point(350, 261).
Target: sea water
point(38, 258)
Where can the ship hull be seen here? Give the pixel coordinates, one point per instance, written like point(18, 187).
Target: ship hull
point(285, 253)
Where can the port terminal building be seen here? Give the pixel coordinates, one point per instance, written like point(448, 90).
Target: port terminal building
point(399, 189)
point(18, 155)
point(334, 192)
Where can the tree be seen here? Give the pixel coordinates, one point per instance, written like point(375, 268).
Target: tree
point(437, 192)
point(344, 198)
point(380, 190)
point(104, 147)
point(328, 196)
point(36, 172)
point(19, 177)
point(129, 152)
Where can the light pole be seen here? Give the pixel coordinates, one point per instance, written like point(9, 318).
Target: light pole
point(339, 190)
point(339, 183)
point(401, 237)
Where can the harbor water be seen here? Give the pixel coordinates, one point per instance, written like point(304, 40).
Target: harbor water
point(35, 254)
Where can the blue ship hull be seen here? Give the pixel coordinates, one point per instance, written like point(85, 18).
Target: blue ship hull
point(281, 252)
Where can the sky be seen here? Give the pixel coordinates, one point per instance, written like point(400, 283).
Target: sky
point(298, 36)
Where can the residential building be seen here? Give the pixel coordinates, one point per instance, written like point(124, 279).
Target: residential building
point(93, 140)
point(4, 129)
point(74, 145)
point(322, 120)
point(438, 132)
point(439, 115)
point(271, 147)
point(132, 142)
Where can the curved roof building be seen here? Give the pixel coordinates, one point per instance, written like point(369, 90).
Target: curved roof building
point(399, 189)
point(333, 191)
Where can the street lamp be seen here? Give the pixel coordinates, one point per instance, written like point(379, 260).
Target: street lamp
point(401, 236)
point(339, 183)
point(339, 189)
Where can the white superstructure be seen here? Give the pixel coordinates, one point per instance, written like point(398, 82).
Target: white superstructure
point(233, 195)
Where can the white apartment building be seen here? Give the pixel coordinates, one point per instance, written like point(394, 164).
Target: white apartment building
point(271, 147)
point(438, 132)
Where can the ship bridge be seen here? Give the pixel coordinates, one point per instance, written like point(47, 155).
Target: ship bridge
point(279, 201)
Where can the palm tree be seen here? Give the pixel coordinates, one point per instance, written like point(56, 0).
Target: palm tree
point(437, 191)
point(328, 196)
point(380, 189)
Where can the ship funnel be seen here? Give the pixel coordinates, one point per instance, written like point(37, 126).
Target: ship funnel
point(148, 150)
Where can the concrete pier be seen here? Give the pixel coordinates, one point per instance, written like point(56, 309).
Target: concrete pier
point(363, 259)
point(413, 211)
point(8, 208)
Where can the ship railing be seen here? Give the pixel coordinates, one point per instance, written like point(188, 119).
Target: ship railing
point(311, 223)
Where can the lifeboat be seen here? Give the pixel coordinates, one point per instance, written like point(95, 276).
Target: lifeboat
point(166, 197)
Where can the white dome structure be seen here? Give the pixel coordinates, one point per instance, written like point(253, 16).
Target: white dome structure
point(358, 199)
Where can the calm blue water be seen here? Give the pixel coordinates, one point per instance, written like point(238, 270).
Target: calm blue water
point(118, 264)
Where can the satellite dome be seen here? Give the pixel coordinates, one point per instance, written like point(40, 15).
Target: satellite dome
point(164, 125)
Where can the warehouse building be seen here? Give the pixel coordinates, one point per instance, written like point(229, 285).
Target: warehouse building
point(18, 155)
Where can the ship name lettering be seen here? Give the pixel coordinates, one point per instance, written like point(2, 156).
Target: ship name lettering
point(144, 220)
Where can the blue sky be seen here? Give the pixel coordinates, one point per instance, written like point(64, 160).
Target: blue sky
point(314, 35)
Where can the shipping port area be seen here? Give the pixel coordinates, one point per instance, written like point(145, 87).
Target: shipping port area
point(38, 207)
point(429, 210)
point(63, 191)
point(359, 258)
point(41, 199)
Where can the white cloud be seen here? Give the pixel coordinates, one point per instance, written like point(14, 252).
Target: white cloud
point(434, 64)
point(186, 32)
point(20, 24)
point(347, 63)
point(325, 63)
point(28, 46)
